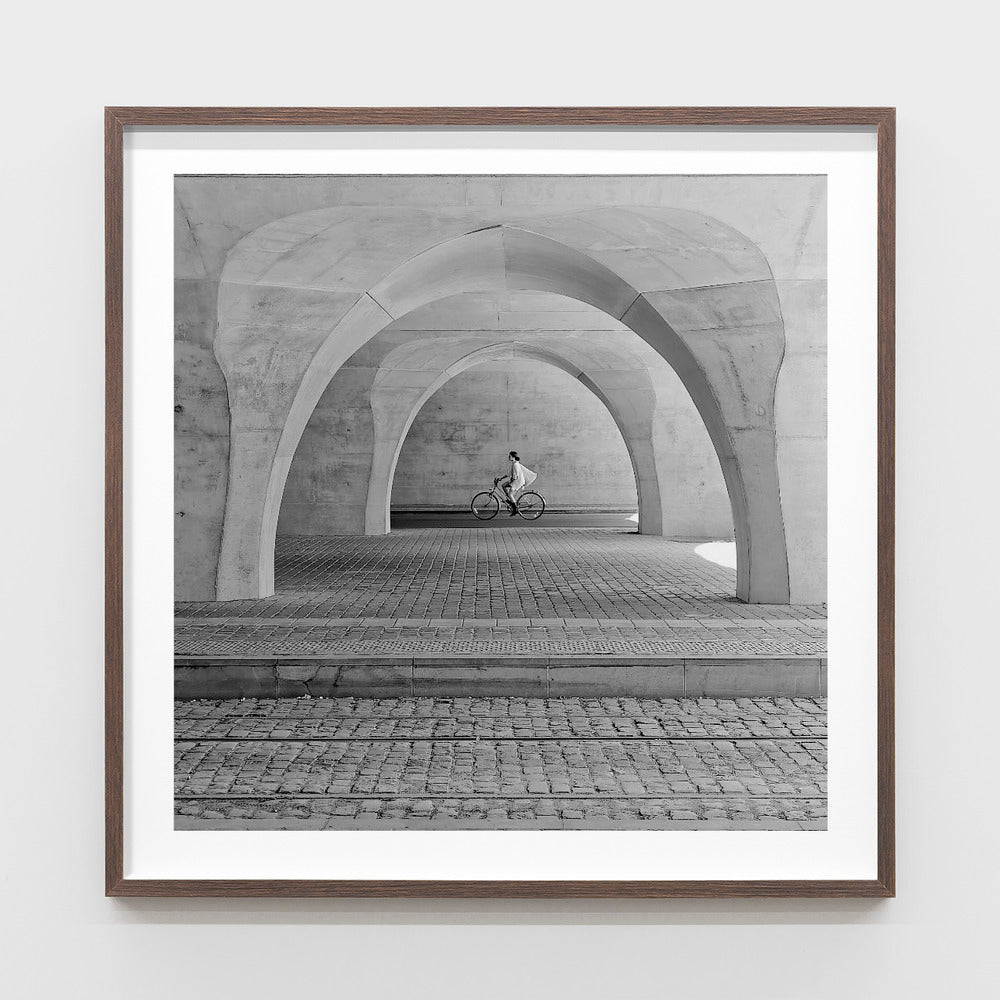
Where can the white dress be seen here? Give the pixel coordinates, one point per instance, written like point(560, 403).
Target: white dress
point(520, 476)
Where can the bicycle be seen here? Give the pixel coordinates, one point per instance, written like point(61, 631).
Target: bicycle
point(486, 505)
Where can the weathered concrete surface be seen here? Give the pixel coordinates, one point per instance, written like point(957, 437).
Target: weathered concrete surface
point(201, 441)
point(313, 270)
point(783, 215)
point(515, 676)
point(801, 418)
point(327, 488)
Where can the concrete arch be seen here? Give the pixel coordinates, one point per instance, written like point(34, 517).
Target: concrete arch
point(395, 406)
point(724, 340)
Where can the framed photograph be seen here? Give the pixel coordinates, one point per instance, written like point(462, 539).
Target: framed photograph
point(500, 501)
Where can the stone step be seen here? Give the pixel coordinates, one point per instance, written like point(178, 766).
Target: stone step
point(465, 676)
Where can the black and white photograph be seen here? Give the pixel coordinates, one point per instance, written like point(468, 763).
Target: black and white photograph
point(500, 502)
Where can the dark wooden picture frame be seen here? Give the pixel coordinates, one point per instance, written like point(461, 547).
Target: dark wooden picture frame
point(121, 119)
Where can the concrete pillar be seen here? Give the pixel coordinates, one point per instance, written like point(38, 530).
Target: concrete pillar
point(728, 357)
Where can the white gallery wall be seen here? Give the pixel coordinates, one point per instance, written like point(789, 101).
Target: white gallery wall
point(61, 937)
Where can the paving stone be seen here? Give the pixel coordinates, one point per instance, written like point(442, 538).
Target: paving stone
point(520, 591)
point(523, 763)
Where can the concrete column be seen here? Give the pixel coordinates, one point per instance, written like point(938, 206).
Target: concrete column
point(273, 391)
point(801, 429)
point(728, 358)
point(396, 399)
point(630, 397)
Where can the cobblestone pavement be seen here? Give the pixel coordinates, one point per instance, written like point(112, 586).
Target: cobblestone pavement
point(290, 637)
point(461, 573)
point(501, 763)
point(512, 592)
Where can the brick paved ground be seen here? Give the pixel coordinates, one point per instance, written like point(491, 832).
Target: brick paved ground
point(473, 573)
point(501, 763)
point(291, 637)
point(512, 592)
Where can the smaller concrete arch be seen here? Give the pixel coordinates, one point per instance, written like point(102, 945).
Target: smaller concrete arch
point(398, 395)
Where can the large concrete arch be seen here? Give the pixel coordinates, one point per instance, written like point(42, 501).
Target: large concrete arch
point(711, 311)
point(396, 401)
point(327, 487)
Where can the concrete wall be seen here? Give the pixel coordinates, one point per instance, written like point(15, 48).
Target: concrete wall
point(201, 430)
point(327, 485)
point(460, 439)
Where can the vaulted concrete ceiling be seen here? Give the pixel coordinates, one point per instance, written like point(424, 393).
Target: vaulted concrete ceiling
point(353, 250)
point(783, 215)
point(436, 334)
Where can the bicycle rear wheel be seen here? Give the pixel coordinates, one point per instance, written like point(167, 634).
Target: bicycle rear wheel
point(530, 506)
point(485, 506)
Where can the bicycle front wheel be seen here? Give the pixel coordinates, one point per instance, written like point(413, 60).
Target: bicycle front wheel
point(530, 506)
point(485, 506)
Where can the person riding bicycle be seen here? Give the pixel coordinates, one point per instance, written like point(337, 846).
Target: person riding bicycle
point(516, 480)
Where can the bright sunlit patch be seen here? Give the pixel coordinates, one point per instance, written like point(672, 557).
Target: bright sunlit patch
point(721, 553)
point(634, 517)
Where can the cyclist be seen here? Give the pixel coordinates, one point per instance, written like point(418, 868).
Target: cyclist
point(516, 480)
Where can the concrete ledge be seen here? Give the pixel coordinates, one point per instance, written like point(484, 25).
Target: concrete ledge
point(490, 678)
point(465, 676)
point(582, 680)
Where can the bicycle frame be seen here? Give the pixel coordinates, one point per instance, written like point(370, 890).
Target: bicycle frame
point(498, 492)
